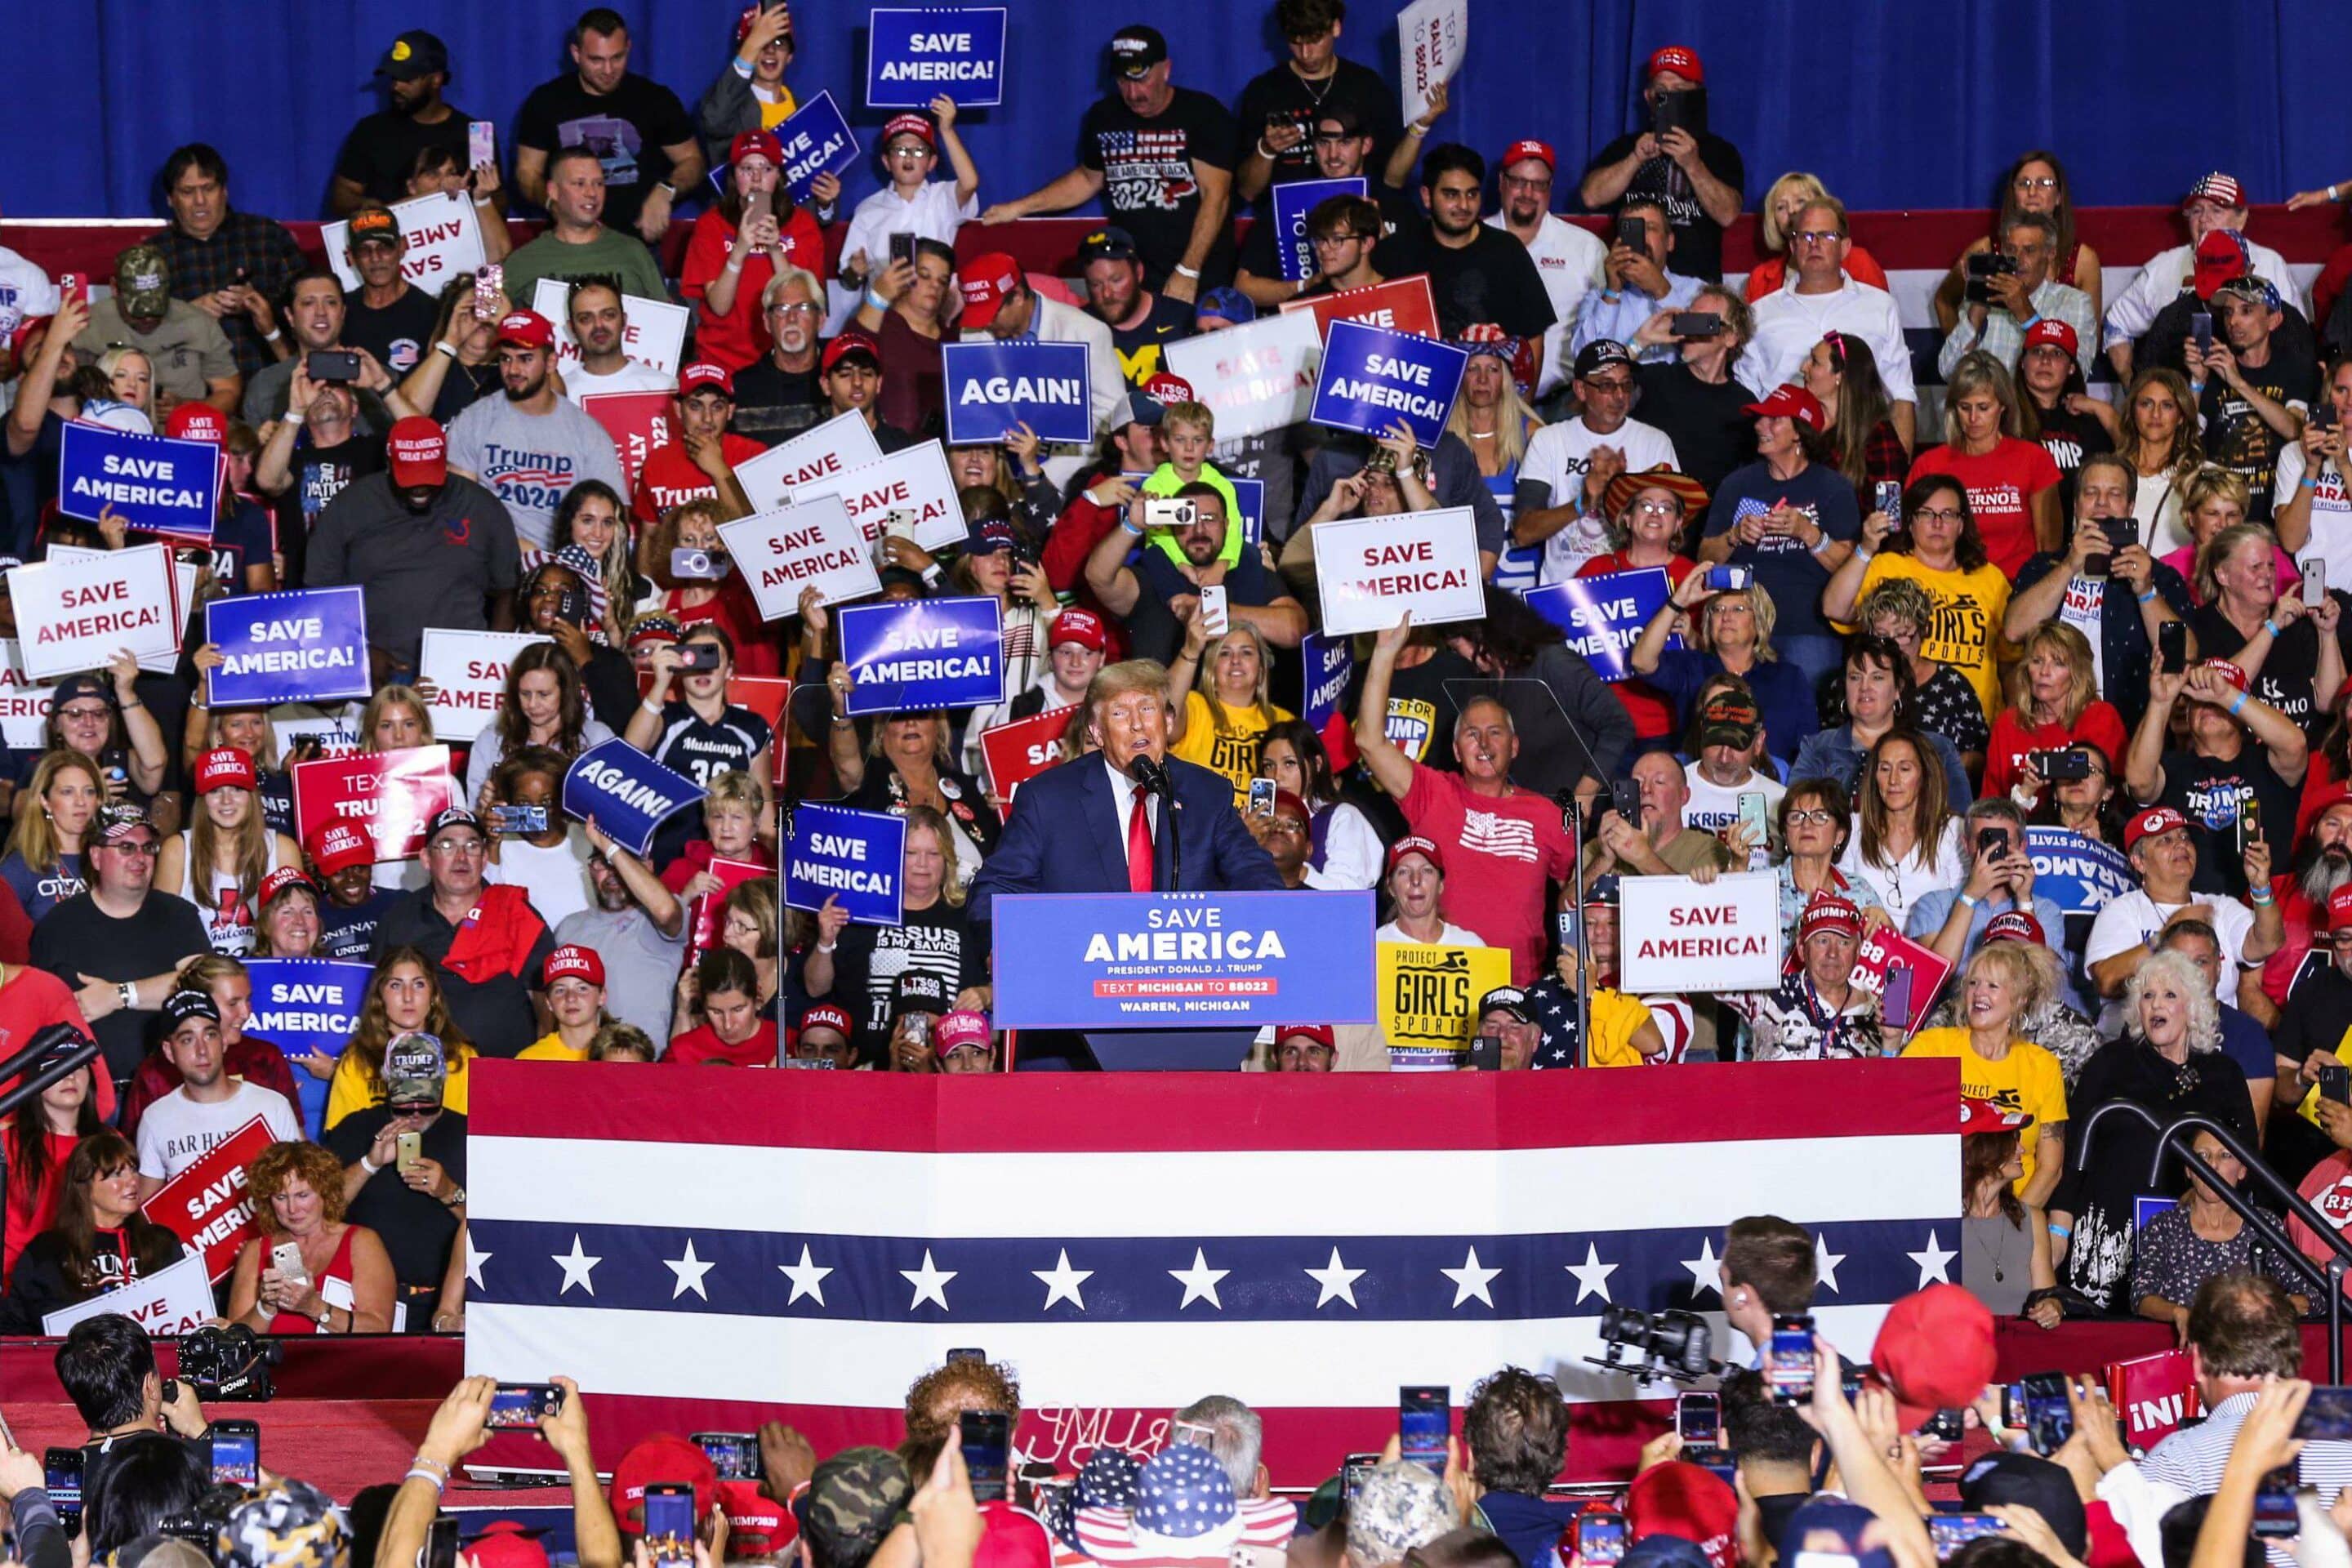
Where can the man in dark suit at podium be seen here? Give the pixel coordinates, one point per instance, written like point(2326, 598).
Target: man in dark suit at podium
point(1099, 825)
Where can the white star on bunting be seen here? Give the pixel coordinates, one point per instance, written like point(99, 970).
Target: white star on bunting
point(1062, 1281)
point(930, 1283)
point(1337, 1280)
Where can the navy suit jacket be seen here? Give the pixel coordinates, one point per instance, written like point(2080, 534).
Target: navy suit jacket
point(1066, 835)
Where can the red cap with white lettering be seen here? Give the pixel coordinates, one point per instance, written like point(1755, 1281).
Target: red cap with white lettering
point(227, 767)
point(418, 453)
point(576, 962)
point(1528, 147)
point(986, 281)
point(527, 328)
point(704, 376)
point(907, 125)
point(337, 847)
point(283, 878)
point(198, 422)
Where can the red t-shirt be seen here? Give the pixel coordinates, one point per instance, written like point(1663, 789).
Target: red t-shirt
point(1500, 851)
point(702, 1043)
point(2100, 723)
point(2305, 922)
point(1999, 485)
point(740, 336)
point(2328, 1189)
point(1653, 711)
point(671, 478)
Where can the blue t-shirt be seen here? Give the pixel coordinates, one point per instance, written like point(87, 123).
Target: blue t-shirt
point(345, 932)
point(2248, 1043)
point(1792, 575)
point(40, 892)
point(242, 539)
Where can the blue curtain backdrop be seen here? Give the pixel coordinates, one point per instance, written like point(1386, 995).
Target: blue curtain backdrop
point(1894, 106)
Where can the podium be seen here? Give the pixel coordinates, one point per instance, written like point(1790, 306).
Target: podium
point(1179, 981)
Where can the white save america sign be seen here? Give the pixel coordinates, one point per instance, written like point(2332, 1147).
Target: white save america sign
point(654, 337)
point(443, 234)
point(1370, 570)
point(840, 445)
point(913, 483)
point(468, 672)
point(1676, 935)
point(812, 545)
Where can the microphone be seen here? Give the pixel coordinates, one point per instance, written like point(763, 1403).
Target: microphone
point(1150, 775)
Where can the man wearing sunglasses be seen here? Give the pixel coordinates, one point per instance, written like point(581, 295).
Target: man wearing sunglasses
point(119, 944)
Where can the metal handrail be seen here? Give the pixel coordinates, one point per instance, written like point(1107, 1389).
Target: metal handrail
point(2330, 1280)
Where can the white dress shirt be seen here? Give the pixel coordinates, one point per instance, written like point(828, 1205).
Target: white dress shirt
point(1788, 325)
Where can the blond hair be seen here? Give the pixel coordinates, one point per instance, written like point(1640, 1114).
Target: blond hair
point(1809, 186)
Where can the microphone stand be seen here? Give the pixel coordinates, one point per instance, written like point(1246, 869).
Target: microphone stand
point(1152, 778)
point(1571, 822)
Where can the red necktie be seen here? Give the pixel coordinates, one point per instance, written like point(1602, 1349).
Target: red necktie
point(1138, 845)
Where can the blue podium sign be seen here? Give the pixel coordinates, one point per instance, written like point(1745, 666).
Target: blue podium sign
point(1128, 961)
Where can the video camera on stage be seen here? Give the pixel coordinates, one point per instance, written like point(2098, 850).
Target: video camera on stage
point(1664, 1344)
point(231, 1363)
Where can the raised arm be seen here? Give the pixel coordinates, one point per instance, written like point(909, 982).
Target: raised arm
point(1389, 765)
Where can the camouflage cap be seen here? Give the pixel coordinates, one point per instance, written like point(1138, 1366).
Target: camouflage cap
point(1403, 1505)
point(143, 280)
point(293, 1525)
point(853, 1499)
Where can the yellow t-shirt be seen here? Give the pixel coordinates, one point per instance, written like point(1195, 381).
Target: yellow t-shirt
point(1233, 751)
point(2026, 1080)
point(1615, 1017)
point(1964, 632)
point(349, 1089)
point(774, 114)
point(549, 1047)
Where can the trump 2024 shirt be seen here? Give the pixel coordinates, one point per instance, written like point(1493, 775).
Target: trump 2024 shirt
point(529, 460)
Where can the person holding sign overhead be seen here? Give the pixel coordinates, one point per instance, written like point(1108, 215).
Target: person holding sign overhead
point(1501, 842)
point(912, 202)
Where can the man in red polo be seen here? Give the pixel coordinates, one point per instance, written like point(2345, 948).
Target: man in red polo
point(700, 458)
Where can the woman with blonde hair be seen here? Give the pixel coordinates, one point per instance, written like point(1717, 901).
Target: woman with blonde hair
point(2057, 704)
point(2169, 1058)
point(2289, 653)
point(2000, 987)
point(402, 998)
point(1731, 635)
point(219, 864)
point(130, 377)
point(1221, 722)
point(2157, 435)
point(1776, 216)
point(2215, 500)
point(43, 867)
point(250, 730)
point(346, 1284)
point(2011, 482)
point(1495, 421)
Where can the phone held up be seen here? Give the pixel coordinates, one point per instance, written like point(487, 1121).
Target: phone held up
point(1788, 1364)
point(986, 1438)
point(1425, 1421)
point(669, 1521)
point(519, 1407)
point(236, 1454)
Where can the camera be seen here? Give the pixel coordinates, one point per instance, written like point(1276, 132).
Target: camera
point(1170, 511)
point(2059, 766)
point(698, 565)
point(1983, 268)
point(230, 1364)
point(1672, 1342)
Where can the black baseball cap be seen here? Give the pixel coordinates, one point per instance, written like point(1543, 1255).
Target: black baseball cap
point(1601, 353)
point(1136, 49)
point(182, 1005)
point(1108, 243)
point(918, 992)
point(413, 54)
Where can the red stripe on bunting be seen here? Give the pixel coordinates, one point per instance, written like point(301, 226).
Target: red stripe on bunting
point(1162, 1112)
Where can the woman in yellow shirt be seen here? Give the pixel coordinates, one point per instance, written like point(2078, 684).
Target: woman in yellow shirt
point(1222, 720)
point(1935, 543)
point(2001, 986)
point(402, 998)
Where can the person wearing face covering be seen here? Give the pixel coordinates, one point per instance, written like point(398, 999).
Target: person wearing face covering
point(426, 547)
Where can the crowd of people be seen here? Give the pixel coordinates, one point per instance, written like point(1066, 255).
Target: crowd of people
point(1801, 1456)
point(2037, 684)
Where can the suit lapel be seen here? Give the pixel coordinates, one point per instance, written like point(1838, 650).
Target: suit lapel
point(1109, 833)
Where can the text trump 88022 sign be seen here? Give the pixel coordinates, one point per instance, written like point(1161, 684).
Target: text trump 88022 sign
point(1110, 960)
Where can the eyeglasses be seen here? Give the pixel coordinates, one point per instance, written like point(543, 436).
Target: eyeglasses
point(95, 710)
point(1615, 385)
point(799, 307)
point(2035, 182)
point(140, 849)
point(1812, 816)
point(1936, 514)
point(1512, 182)
point(1817, 235)
point(1342, 238)
point(907, 152)
point(1657, 508)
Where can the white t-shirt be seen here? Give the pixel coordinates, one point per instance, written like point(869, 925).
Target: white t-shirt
point(1450, 936)
point(2331, 513)
point(26, 294)
point(1559, 455)
point(1570, 259)
point(1928, 866)
point(1788, 325)
point(578, 382)
point(2135, 917)
point(934, 213)
point(2156, 506)
point(1713, 808)
point(176, 1132)
point(555, 880)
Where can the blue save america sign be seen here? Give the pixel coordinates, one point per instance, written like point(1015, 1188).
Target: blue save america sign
point(1108, 961)
point(835, 852)
point(307, 1007)
point(152, 482)
point(628, 793)
point(923, 654)
point(1330, 663)
point(913, 56)
point(991, 387)
point(1292, 202)
point(1372, 378)
point(816, 141)
point(1603, 615)
point(308, 646)
point(2080, 875)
